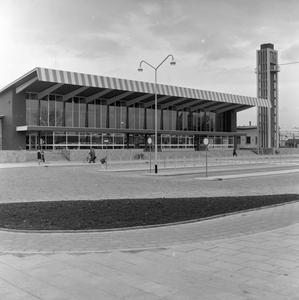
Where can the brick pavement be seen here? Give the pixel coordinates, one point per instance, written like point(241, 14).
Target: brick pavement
point(250, 255)
point(90, 182)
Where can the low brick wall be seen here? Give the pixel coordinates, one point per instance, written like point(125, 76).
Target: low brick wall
point(113, 154)
point(21, 156)
point(12, 156)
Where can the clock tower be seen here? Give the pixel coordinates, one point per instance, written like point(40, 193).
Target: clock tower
point(267, 88)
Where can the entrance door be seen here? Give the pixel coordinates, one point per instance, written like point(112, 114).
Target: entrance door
point(32, 141)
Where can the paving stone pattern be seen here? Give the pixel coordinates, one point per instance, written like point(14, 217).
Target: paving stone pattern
point(250, 255)
point(90, 182)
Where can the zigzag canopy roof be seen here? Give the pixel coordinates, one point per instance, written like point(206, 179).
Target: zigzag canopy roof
point(42, 80)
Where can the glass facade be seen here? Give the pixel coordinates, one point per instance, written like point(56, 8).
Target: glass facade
point(77, 112)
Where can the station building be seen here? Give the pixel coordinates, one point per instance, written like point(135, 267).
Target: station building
point(65, 110)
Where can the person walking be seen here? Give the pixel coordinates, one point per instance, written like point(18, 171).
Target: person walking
point(235, 152)
point(92, 155)
point(43, 156)
point(39, 157)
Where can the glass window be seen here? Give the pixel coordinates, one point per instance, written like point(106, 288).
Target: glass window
point(44, 111)
point(159, 117)
point(172, 118)
point(136, 116)
point(166, 122)
point(72, 140)
point(141, 115)
point(112, 114)
point(150, 118)
point(131, 117)
point(118, 114)
point(52, 113)
point(184, 120)
point(190, 119)
point(76, 111)
point(59, 139)
point(180, 120)
point(59, 111)
point(91, 114)
point(31, 109)
point(212, 120)
point(123, 115)
point(82, 112)
point(98, 113)
point(69, 113)
point(101, 113)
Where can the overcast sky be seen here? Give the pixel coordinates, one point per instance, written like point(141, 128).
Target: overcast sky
point(214, 42)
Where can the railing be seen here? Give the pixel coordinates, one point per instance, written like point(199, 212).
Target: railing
point(197, 161)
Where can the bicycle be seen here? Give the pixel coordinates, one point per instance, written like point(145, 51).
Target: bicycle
point(86, 159)
point(103, 160)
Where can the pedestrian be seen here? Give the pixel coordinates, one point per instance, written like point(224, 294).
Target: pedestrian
point(92, 155)
point(235, 152)
point(43, 156)
point(39, 157)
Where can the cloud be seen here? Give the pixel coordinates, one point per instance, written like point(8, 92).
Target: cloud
point(291, 54)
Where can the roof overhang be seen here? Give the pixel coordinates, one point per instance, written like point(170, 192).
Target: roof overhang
point(69, 84)
point(32, 128)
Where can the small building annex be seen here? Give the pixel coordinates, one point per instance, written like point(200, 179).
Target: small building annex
point(62, 109)
point(250, 140)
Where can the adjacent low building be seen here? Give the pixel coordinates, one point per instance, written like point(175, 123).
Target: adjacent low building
point(250, 139)
point(292, 143)
point(59, 109)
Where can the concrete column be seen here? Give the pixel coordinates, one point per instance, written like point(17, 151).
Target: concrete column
point(0, 132)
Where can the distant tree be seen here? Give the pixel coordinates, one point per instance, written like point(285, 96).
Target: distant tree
point(53, 118)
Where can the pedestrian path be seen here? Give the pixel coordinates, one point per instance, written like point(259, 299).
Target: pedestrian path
point(249, 174)
point(243, 256)
point(250, 255)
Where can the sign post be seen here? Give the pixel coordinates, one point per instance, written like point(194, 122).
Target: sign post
point(106, 142)
point(206, 142)
point(149, 141)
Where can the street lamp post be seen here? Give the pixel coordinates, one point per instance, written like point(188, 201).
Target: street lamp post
point(156, 103)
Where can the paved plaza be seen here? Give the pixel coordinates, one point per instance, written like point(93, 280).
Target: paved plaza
point(247, 255)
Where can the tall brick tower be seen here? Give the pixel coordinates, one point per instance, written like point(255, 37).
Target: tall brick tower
point(267, 87)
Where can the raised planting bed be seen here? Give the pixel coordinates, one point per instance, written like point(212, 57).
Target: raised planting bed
point(109, 214)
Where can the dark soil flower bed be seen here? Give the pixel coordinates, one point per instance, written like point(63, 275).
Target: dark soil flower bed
point(108, 214)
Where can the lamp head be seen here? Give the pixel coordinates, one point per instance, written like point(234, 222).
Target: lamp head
point(173, 63)
point(140, 69)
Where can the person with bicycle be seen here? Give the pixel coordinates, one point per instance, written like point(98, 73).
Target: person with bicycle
point(92, 155)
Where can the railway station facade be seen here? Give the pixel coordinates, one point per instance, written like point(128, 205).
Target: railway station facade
point(65, 110)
